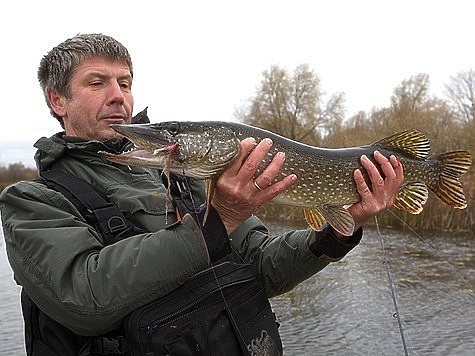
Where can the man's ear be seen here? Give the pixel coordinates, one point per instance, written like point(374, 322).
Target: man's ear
point(56, 101)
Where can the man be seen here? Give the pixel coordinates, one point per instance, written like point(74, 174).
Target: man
point(87, 287)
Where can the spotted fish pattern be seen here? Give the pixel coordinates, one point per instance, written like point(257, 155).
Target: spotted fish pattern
point(325, 184)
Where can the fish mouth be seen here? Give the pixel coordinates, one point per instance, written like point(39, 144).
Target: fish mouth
point(199, 150)
point(136, 152)
point(144, 152)
point(142, 135)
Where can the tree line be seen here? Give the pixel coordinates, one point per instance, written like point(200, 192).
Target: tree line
point(295, 105)
point(15, 172)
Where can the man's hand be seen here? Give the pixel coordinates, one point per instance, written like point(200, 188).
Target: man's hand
point(380, 196)
point(237, 195)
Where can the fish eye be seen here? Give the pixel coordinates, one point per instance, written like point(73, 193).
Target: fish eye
point(173, 128)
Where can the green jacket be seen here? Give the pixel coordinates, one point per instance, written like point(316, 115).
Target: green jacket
point(61, 263)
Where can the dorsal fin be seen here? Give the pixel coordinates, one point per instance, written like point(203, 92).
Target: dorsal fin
point(410, 141)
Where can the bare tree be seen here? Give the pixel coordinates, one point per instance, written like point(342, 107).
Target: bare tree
point(411, 95)
point(293, 105)
point(461, 93)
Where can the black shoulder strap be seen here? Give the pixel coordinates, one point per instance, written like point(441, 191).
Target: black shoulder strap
point(43, 335)
point(105, 216)
point(180, 191)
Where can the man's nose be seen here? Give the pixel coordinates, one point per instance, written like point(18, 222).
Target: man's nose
point(116, 95)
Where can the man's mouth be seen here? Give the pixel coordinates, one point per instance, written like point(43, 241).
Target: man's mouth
point(114, 119)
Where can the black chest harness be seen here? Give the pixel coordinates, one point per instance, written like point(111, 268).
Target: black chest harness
point(221, 310)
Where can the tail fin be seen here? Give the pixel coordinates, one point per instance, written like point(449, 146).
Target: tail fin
point(448, 187)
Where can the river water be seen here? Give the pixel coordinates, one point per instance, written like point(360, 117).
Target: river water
point(348, 308)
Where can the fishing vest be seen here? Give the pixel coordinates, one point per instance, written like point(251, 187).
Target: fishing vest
point(221, 310)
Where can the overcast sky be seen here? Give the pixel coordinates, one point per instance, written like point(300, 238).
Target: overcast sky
point(200, 60)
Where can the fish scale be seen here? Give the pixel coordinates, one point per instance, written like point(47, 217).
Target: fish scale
point(325, 184)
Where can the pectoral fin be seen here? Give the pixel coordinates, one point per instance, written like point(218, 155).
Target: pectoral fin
point(210, 185)
point(340, 219)
point(337, 216)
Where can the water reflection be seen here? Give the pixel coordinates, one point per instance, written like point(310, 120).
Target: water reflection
point(347, 308)
point(11, 322)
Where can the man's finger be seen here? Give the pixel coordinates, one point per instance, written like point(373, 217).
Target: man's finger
point(375, 177)
point(254, 160)
point(247, 145)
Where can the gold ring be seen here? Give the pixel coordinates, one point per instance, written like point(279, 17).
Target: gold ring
point(257, 185)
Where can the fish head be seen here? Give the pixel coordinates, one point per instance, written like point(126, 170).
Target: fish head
point(196, 149)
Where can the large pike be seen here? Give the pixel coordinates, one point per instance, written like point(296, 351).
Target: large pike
point(325, 182)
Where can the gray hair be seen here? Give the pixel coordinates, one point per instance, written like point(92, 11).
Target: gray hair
point(58, 65)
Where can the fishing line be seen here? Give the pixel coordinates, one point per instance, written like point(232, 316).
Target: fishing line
point(392, 287)
point(452, 268)
point(242, 341)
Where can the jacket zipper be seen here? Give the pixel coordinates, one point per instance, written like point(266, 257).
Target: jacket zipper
point(171, 317)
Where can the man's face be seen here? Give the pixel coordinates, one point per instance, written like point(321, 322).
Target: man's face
point(101, 94)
